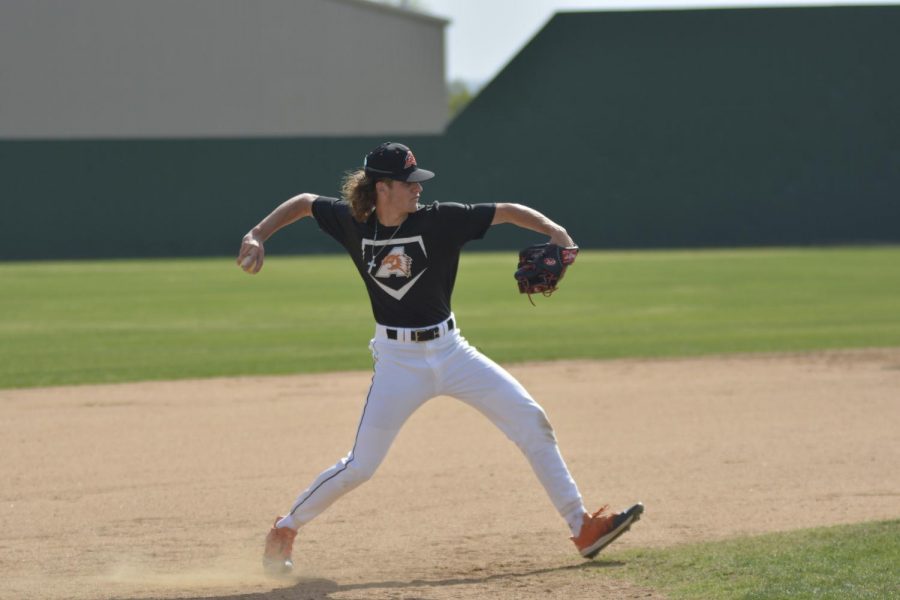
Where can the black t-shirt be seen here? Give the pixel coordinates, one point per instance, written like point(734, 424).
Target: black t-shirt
point(409, 271)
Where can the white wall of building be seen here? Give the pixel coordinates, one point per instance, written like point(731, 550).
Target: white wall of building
point(217, 68)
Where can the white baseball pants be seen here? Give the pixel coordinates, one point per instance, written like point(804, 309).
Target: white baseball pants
point(407, 374)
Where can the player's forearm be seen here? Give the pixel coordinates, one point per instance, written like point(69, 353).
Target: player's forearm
point(528, 218)
point(287, 212)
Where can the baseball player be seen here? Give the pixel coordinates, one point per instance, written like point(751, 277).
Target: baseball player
point(407, 255)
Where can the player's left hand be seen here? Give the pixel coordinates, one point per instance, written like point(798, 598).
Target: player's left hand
point(542, 266)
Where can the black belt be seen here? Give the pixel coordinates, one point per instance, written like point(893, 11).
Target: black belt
point(422, 335)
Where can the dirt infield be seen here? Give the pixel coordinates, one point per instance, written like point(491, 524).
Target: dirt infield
point(165, 490)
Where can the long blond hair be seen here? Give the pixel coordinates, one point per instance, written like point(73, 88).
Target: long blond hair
point(358, 189)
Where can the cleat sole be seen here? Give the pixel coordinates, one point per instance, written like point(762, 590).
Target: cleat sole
point(636, 512)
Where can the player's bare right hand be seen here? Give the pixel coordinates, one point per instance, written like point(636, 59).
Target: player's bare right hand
point(252, 254)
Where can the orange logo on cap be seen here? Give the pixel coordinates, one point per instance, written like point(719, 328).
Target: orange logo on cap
point(410, 160)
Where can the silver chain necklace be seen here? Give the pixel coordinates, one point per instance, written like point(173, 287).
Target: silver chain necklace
point(385, 244)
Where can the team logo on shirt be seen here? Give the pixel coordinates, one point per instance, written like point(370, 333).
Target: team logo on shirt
point(395, 265)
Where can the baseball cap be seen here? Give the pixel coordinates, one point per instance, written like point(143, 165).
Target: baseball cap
point(394, 161)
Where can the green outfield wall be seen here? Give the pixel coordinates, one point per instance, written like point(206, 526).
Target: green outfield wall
point(80, 199)
point(634, 129)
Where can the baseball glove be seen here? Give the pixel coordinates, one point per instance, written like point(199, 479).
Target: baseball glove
point(542, 266)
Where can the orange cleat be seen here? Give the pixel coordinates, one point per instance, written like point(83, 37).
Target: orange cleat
point(602, 528)
point(279, 545)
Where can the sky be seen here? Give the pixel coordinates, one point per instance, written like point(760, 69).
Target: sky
point(484, 35)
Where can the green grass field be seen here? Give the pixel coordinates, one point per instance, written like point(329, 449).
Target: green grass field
point(108, 321)
point(836, 563)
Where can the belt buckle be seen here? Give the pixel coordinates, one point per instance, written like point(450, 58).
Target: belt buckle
point(419, 335)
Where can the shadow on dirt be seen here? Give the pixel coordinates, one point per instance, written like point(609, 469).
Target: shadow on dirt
point(322, 589)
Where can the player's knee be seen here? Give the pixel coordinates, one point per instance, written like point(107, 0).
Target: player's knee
point(356, 473)
point(535, 430)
